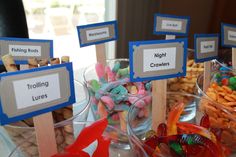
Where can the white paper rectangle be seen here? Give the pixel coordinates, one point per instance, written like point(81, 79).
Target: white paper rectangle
point(232, 35)
point(38, 90)
point(207, 46)
point(159, 59)
point(97, 33)
point(171, 25)
point(25, 50)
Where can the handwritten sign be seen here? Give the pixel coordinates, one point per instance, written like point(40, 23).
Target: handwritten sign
point(171, 24)
point(159, 59)
point(22, 49)
point(97, 33)
point(28, 93)
point(206, 47)
point(228, 35)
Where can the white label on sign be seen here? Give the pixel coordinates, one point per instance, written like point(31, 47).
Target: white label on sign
point(232, 35)
point(159, 59)
point(38, 90)
point(97, 33)
point(25, 50)
point(207, 46)
point(171, 25)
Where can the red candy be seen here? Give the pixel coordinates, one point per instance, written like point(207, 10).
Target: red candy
point(87, 136)
point(225, 81)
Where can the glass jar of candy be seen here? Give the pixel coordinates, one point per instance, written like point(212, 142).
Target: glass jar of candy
point(172, 138)
point(219, 103)
point(112, 93)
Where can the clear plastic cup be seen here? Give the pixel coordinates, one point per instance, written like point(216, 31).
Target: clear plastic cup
point(117, 116)
point(214, 104)
point(139, 124)
point(25, 149)
point(64, 135)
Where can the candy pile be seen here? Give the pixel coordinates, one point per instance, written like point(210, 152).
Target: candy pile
point(222, 109)
point(184, 139)
point(113, 93)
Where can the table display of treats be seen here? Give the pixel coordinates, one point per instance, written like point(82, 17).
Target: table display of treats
point(165, 100)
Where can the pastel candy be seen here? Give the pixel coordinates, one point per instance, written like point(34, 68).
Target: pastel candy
point(119, 90)
point(148, 86)
point(102, 110)
point(100, 70)
point(121, 107)
point(123, 116)
point(123, 72)
point(141, 88)
point(111, 75)
point(108, 102)
point(133, 90)
point(116, 67)
point(95, 85)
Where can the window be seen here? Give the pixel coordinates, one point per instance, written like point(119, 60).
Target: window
point(57, 20)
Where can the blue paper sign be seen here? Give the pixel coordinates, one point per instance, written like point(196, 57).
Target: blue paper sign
point(206, 47)
point(97, 33)
point(157, 59)
point(28, 93)
point(22, 49)
point(228, 35)
point(171, 25)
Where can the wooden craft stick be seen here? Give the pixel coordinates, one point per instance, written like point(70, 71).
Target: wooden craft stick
point(101, 53)
point(234, 58)
point(44, 127)
point(159, 89)
point(207, 75)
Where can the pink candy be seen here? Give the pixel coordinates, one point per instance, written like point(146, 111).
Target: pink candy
point(108, 101)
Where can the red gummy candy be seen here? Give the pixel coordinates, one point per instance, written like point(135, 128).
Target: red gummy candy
point(225, 81)
point(162, 130)
point(205, 122)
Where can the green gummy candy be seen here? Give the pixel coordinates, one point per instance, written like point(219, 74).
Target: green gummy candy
point(116, 67)
point(119, 90)
point(217, 75)
point(123, 72)
point(232, 80)
point(95, 85)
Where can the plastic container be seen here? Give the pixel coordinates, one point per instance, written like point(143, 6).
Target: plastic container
point(22, 151)
point(222, 112)
point(139, 125)
point(64, 135)
point(119, 91)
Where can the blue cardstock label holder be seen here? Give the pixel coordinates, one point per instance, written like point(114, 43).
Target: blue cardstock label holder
point(113, 33)
point(205, 37)
point(184, 19)
point(46, 46)
point(224, 35)
point(181, 71)
point(5, 119)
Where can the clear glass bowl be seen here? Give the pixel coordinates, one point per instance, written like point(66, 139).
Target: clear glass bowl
point(26, 149)
point(140, 121)
point(216, 103)
point(117, 90)
point(64, 134)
